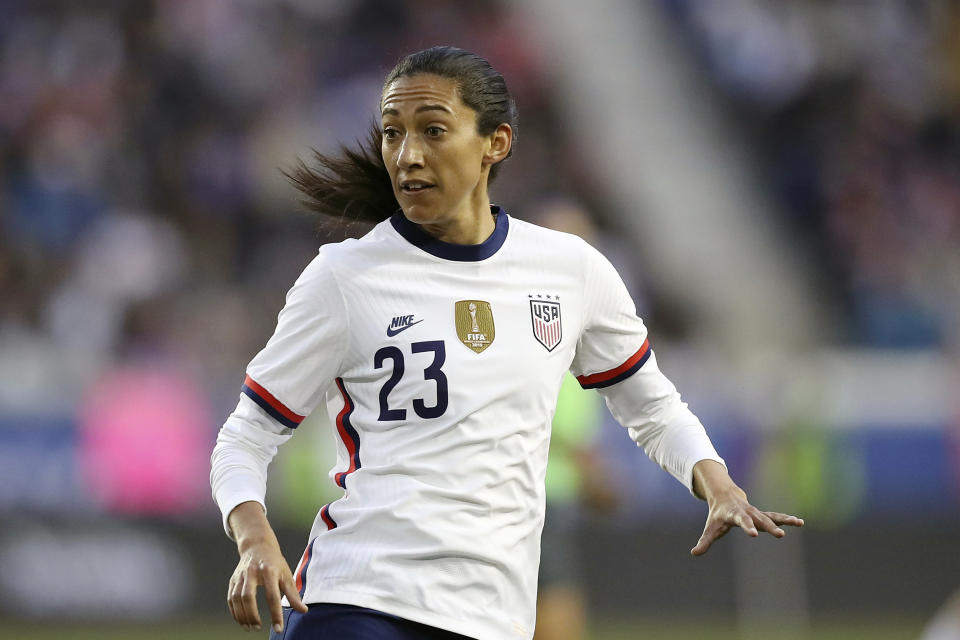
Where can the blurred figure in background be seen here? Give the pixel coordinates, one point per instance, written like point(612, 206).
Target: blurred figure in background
point(576, 477)
point(576, 480)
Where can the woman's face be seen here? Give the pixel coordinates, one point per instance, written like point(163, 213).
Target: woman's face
point(437, 161)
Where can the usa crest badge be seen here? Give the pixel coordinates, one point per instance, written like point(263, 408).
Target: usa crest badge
point(474, 320)
point(547, 328)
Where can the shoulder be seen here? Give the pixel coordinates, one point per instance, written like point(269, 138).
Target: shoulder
point(322, 273)
point(335, 255)
point(567, 249)
point(535, 237)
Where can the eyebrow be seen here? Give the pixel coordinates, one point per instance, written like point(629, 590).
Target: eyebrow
point(389, 111)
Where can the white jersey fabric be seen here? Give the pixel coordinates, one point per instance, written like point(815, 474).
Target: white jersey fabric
point(440, 366)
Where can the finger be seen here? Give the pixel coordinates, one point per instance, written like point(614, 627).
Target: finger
point(711, 532)
point(745, 522)
point(706, 538)
point(783, 518)
point(290, 590)
point(271, 590)
point(233, 611)
point(703, 545)
point(765, 523)
point(249, 599)
point(236, 603)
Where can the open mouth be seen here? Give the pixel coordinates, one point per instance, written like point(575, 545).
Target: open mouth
point(414, 186)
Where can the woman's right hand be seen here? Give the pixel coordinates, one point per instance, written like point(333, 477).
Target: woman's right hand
point(261, 565)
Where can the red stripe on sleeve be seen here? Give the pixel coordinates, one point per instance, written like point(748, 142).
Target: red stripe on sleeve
point(272, 401)
point(603, 376)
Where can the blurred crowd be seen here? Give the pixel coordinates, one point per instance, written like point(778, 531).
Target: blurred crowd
point(854, 111)
point(148, 234)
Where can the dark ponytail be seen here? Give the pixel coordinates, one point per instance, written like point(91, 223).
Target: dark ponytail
point(352, 186)
point(356, 185)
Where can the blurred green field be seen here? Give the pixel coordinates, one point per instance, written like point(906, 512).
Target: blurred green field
point(654, 629)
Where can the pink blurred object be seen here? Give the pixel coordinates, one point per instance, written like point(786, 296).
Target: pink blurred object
point(145, 439)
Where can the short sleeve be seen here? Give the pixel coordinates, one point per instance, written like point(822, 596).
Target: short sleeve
point(289, 376)
point(613, 340)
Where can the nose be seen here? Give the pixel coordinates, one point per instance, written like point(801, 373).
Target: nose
point(411, 153)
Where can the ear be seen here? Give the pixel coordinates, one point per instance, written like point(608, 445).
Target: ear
point(500, 142)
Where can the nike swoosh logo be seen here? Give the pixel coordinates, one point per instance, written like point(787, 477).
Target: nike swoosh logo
point(392, 332)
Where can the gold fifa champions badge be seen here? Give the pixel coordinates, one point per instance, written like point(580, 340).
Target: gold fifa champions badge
point(474, 324)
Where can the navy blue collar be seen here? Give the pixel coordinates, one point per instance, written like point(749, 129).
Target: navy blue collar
point(448, 251)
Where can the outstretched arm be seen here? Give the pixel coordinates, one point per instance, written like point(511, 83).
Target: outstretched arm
point(261, 564)
point(729, 507)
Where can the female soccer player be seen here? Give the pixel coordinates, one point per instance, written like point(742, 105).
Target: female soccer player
point(438, 342)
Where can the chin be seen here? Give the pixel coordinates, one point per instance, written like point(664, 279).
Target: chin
point(419, 214)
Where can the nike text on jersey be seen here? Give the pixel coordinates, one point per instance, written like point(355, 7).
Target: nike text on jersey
point(400, 323)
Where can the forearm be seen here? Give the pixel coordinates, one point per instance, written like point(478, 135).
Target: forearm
point(711, 481)
point(245, 446)
point(250, 527)
point(656, 418)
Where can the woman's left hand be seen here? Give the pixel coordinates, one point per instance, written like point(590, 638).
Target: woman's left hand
point(730, 508)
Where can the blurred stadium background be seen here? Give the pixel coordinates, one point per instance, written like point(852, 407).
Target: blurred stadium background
point(779, 184)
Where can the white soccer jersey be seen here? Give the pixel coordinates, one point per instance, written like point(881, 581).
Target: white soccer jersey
point(440, 366)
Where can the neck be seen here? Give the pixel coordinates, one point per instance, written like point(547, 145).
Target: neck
point(472, 225)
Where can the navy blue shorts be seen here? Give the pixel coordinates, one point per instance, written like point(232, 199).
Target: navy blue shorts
point(327, 621)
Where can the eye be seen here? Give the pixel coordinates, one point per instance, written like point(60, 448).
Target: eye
point(389, 133)
point(435, 131)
